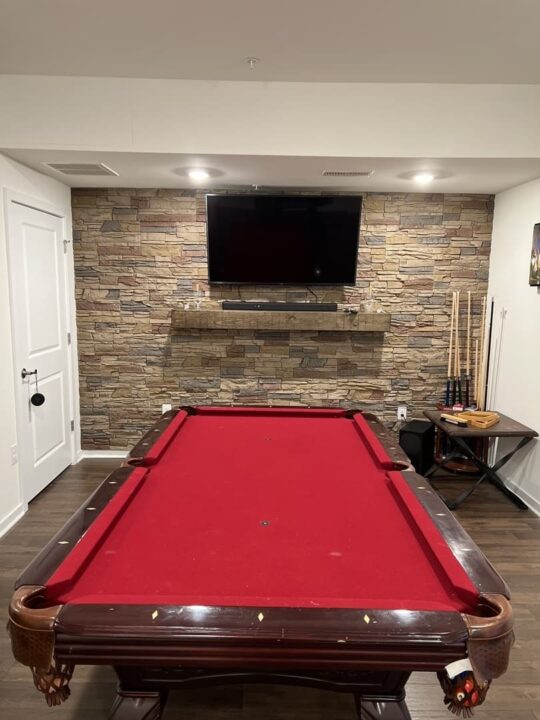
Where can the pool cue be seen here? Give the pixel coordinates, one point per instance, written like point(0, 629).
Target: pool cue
point(458, 357)
point(449, 375)
point(468, 368)
point(488, 353)
point(454, 381)
point(482, 343)
point(476, 371)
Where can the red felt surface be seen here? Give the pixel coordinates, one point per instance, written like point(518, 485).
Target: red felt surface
point(269, 509)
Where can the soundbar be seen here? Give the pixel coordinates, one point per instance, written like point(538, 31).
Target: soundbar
point(279, 306)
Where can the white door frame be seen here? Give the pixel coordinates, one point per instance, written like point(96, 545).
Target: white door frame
point(64, 214)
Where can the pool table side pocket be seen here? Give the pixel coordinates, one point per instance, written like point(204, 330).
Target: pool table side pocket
point(382, 445)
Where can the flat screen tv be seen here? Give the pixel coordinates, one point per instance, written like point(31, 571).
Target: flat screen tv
point(283, 239)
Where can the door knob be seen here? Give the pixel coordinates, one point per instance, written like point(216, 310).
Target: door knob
point(25, 372)
point(37, 398)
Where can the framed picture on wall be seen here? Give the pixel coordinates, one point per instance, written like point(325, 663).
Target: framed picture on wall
point(534, 277)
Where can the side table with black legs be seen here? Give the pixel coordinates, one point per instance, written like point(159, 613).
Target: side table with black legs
point(459, 445)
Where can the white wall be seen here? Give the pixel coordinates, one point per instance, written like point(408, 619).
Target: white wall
point(270, 118)
point(20, 179)
point(514, 372)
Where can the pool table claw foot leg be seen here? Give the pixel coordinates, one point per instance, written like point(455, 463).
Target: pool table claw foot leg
point(137, 705)
point(381, 710)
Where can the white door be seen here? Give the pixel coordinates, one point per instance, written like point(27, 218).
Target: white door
point(39, 308)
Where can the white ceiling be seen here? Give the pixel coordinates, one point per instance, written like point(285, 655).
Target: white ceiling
point(449, 41)
point(390, 174)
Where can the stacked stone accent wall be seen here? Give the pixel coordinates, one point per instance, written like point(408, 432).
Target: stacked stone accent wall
point(140, 253)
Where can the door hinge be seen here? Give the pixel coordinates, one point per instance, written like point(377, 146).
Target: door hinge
point(72, 425)
point(66, 243)
point(69, 338)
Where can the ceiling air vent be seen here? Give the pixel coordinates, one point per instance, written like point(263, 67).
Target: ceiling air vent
point(81, 168)
point(347, 173)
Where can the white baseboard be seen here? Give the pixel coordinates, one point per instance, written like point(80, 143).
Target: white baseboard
point(11, 518)
point(102, 455)
point(532, 502)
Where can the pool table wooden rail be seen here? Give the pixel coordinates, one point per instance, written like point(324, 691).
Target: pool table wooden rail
point(213, 635)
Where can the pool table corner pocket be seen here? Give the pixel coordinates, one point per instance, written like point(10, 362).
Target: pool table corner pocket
point(31, 626)
point(491, 636)
point(490, 639)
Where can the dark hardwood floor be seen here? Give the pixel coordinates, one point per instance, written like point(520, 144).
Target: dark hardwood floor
point(510, 539)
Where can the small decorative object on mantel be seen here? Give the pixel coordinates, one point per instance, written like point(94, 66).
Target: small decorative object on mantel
point(534, 277)
point(369, 305)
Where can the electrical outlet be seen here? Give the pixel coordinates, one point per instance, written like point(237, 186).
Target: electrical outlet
point(165, 408)
point(401, 412)
point(14, 458)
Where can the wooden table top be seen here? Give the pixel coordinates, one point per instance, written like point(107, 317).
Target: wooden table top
point(506, 427)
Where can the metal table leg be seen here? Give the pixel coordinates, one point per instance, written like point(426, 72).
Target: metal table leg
point(489, 473)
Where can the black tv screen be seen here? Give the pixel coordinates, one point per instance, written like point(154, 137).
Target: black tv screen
point(277, 239)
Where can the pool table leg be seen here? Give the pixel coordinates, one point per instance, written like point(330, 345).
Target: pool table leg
point(383, 710)
point(133, 705)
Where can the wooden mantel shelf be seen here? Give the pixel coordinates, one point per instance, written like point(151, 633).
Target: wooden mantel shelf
point(339, 321)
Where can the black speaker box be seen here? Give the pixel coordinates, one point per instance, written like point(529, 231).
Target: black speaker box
point(417, 438)
point(278, 306)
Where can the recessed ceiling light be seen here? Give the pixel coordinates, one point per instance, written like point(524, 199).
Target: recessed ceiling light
point(423, 178)
point(198, 174)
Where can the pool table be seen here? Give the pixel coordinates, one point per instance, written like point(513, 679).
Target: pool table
point(258, 544)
